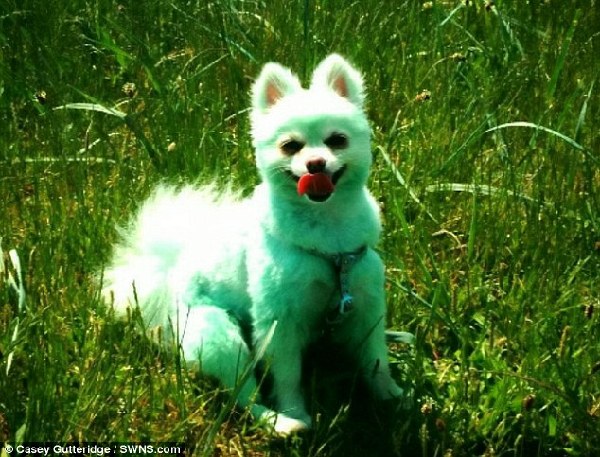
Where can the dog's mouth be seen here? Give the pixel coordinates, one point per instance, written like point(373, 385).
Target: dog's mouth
point(318, 187)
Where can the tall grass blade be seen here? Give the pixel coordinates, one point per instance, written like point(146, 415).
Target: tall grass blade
point(126, 118)
point(531, 125)
point(93, 107)
point(560, 62)
point(463, 147)
point(402, 181)
point(436, 312)
point(508, 29)
point(472, 230)
point(16, 283)
point(452, 13)
point(482, 189)
point(583, 112)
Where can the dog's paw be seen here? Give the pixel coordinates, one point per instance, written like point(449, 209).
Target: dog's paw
point(392, 391)
point(385, 388)
point(391, 394)
point(284, 425)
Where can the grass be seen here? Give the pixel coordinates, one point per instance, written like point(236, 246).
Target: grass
point(485, 119)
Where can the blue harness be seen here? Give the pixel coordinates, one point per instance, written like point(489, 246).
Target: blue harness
point(343, 263)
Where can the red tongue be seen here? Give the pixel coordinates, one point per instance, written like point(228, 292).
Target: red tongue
point(315, 184)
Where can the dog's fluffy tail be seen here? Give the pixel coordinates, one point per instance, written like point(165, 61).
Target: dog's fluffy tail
point(142, 269)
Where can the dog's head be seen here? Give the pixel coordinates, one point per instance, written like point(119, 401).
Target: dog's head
point(311, 143)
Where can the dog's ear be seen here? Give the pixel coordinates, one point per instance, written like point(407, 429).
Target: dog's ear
point(338, 75)
point(273, 83)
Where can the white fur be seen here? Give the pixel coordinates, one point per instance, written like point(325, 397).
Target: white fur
point(199, 262)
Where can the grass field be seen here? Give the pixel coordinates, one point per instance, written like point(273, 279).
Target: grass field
point(487, 166)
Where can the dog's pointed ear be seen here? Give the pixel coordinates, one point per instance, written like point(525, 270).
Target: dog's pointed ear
point(273, 83)
point(337, 74)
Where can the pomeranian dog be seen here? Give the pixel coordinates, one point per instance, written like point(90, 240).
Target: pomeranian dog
point(237, 280)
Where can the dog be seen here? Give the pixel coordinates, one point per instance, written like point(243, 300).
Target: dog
point(241, 280)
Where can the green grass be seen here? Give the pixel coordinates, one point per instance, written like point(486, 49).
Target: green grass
point(486, 145)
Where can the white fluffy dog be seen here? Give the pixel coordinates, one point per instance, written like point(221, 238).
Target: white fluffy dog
point(240, 279)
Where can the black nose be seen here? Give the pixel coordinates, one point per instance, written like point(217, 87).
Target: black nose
point(316, 165)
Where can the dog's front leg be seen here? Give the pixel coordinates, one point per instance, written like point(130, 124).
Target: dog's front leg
point(367, 341)
point(283, 357)
point(362, 331)
point(373, 358)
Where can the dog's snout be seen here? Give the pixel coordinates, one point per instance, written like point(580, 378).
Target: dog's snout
point(316, 165)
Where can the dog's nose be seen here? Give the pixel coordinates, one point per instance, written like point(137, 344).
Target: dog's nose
point(316, 165)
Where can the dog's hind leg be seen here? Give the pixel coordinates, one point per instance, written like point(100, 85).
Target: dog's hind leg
point(210, 337)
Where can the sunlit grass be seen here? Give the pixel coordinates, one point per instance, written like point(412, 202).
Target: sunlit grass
point(485, 118)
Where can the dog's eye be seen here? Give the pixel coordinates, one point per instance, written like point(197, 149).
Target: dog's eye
point(291, 147)
point(336, 141)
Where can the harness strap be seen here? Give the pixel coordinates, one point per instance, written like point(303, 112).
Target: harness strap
point(343, 263)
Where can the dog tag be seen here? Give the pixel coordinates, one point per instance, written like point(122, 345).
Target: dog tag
point(315, 184)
